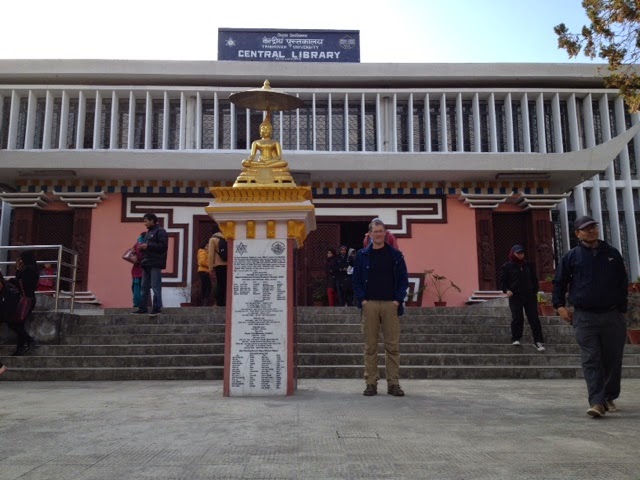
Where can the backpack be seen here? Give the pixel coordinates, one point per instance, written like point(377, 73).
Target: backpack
point(222, 249)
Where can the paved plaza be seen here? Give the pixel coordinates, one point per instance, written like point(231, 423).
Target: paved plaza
point(442, 429)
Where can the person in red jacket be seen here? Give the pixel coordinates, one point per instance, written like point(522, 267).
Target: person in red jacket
point(389, 238)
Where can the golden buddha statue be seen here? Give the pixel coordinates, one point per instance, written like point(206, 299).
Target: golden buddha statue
point(265, 165)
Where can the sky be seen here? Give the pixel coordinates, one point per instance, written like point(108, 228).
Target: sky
point(391, 31)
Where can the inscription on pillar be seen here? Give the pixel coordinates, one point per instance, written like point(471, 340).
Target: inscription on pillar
point(259, 338)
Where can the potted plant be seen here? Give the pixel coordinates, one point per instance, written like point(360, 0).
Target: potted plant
point(185, 295)
point(634, 286)
point(546, 285)
point(318, 293)
point(545, 307)
point(438, 285)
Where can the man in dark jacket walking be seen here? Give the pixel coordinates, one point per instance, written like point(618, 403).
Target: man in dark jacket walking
point(154, 247)
point(597, 279)
point(380, 283)
point(520, 283)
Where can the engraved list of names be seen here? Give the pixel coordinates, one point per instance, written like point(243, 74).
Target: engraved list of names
point(259, 318)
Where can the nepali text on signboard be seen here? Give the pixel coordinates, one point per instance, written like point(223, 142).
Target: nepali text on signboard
point(249, 45)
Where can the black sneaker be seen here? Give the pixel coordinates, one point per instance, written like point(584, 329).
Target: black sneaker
point(139, 312)
point(19, 352)
point(371, 390)
point(395, 390)
point(155, 313)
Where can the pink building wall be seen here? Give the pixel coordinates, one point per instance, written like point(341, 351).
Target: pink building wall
point(448, 248)
point(109, 275)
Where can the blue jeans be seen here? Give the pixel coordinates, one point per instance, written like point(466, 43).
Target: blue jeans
point(151, 280)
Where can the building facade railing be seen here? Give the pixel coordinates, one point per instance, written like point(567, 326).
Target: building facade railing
point(65, 270)
point(113, 118)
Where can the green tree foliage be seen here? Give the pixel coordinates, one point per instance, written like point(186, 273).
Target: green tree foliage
point(613, 35)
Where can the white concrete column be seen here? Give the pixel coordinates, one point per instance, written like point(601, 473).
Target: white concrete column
point(32, 103)
point(232, 121)
point(346, 123)
point(579, 199)
point(166, 120)
point(393, 125)
point(48, 120)
point(14, 118)
point(198, 144)
point(115, 113)
point(132, 121)
point(379, 122)
point(475, 109)
point(97, 120)
point(148, 121)
point(363, 123)
point(610, 176)
point(427, 123)
point(542, 139)
point(508, 113)
point(556, 123)
point(627, 194)
point(493, 125)
point(410, 123)
point(314, 146)
point(80, 117)
point(216, 122)
point(330, 123)
point(590, 138)
point(183, 121)
point(459, 124)
point(64, 121)
point(444, 137)
point(526, 128)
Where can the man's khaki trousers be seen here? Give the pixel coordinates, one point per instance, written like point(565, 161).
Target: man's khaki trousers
point(375, 314)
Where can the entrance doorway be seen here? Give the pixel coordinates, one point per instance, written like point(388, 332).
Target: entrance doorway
point(312, 258)
point(509, 229)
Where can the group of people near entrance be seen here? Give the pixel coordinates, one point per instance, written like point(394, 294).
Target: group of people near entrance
point(151, 252)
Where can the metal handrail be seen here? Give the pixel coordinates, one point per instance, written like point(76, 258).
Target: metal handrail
point(59, 265)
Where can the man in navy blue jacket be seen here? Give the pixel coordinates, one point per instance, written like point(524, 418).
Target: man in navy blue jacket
point(155, 248)
point(380, 283)
point(598, 282)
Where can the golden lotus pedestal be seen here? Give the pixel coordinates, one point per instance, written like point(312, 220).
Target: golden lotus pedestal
point(263, 226)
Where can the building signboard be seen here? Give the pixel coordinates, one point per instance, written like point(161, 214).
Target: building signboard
point(270, 45)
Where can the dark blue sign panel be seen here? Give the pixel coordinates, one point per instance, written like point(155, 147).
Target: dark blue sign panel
point(270, 45)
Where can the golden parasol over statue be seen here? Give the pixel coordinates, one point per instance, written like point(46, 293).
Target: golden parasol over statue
point(265, 166)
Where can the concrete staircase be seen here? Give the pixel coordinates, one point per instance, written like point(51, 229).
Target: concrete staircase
point(188, 344)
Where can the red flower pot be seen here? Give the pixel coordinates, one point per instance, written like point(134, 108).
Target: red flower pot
point(634, 336)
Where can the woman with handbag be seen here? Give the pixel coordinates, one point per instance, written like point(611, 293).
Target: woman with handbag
point(136, 271)
point(26, 280)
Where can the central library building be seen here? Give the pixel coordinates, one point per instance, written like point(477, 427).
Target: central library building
point(461, 161)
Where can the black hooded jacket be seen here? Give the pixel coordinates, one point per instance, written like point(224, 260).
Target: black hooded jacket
point(520, 279)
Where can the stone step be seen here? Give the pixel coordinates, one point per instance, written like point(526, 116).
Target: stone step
point(412, 359)
point(483, 320)
point(431, 329)
point(205, 372)
point(142, 339)
point(457, 372)
point(122, 361)
point(163, 319)
point(116, 350)
point(168, 329)
point(439, 348)
point(492, 338)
